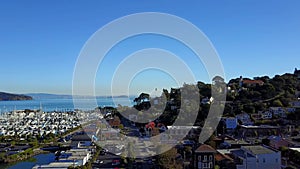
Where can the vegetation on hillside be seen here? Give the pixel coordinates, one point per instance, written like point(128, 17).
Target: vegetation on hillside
point(9, 97)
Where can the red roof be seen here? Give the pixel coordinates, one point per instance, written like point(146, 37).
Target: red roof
point(253, 81)
point(220, 157)
point(205, 148)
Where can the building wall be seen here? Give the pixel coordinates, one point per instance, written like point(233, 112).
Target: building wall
point(251, 163)
point(231, 123)
point(269, 161)
point(205, 161)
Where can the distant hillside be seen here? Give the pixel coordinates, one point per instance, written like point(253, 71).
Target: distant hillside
point(11, 97)
point(38, 96)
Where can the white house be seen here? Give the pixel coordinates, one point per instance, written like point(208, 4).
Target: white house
point(257, 157)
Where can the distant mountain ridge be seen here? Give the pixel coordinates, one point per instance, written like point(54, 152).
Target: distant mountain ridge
point(12, 97)
point(38, 96)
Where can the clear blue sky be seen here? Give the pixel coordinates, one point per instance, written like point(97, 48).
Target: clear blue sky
point(41, 40)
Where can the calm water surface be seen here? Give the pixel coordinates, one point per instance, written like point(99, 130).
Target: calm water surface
point(28, 164)
point(62, 104)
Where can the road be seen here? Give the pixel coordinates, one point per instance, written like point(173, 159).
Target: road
point(105, 161)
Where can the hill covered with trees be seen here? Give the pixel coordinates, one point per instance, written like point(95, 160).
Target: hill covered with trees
point(242, 95)
point(10, 97)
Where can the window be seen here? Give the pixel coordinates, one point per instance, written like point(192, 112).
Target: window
point(210, 158)
point(199, 165)
point(199, 158)
point(264, 160)
point(205, 158)
point(210, 165)
point(204, 165)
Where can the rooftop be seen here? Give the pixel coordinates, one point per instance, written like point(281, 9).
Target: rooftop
point(239, 142)
point(205, 148)
point(241, 153)
point(221, 157)
point(253, 81)
point(258, 150)
point(82, 137)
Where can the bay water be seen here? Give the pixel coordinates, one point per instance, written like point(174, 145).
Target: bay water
point(48, 105)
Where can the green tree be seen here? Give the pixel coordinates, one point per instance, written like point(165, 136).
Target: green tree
point(277, 103)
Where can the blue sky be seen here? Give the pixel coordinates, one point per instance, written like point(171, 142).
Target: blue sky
point(41, 40)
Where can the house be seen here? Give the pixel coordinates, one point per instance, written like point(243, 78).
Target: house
point(278, 111)
point(204, 157)
point(231, 122)
point(291, 109)
point(81, 140)
point(244, 118)
point(252, 83)
point(257, 131)
point(266, 115)
point(224, 161)
point(295, 104)
point(257, 157)
point(234, 143)
point(277, 142)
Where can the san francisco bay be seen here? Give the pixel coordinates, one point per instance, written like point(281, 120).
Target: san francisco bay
point(63, 104)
